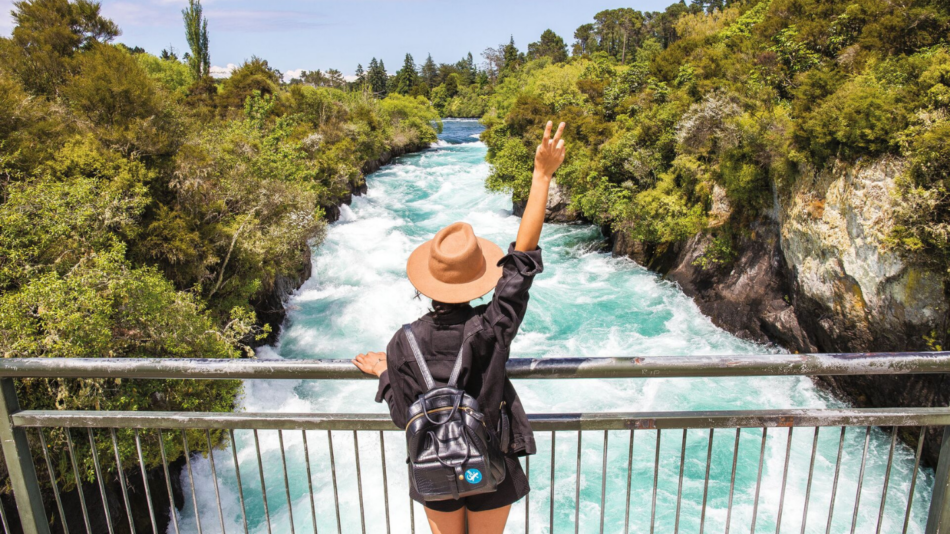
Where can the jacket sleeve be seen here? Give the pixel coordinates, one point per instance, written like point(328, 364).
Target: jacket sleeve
point(392, 384)
point(510, 301)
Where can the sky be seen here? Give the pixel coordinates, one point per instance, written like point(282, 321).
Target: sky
point(323, 34)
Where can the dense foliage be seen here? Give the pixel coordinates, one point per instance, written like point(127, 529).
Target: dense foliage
point(146, 207)
point(692, 119)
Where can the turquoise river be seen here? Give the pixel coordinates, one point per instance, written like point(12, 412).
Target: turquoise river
point(586, 303)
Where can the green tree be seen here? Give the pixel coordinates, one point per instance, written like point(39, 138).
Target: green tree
point(429, 73)
point(113, 92)
point(169, 73)
point(585, 40)
point(512, 57)
point(196, 32)
point(452, 85)
point(467, 69)
point(253, 75)
point(551, 45)
point(618, 30)
point(407, 77)
point(46, 35)
point(377, 78)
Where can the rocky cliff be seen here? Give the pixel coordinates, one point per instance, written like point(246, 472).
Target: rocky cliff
point(815, 274)
point(558, 208)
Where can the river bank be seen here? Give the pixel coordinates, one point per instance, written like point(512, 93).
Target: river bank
point(272, 310)
point(270, 306)
point(815, 275)
point(814, 281)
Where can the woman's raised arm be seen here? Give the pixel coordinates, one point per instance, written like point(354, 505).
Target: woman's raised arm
point(547, 159)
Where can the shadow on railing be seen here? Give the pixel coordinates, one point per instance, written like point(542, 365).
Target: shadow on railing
point(658, 472)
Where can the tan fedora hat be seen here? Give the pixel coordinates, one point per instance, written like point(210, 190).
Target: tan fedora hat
point(455, 266)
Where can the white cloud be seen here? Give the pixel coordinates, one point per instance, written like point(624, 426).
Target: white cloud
point(222, 72)
point(291, 74)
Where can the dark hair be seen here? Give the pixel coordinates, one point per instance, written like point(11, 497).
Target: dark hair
point(443, 308)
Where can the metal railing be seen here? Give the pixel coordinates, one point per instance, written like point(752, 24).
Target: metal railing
point(644, 495)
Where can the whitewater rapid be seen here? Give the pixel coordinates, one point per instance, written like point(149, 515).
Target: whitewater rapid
point(586, 303)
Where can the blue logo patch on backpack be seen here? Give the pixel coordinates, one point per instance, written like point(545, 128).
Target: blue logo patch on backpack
point(473, 476)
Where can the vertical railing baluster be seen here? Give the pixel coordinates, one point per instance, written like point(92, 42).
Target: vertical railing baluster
point(336, 496)
point(577, 487)
point(626, 513)
point(702, 515)
point(913, 479)
point(145, 486)
point(168, 482)
point(527, 476)
point(101, 480)
point(781, 499)
point(313, 505)
point(283, 463)
point(834, 484)
point(191, 478)
point(4, 522)
point(553, 447)
point(938, 519)
point(260, 470)
point(122, 484)
point(214, 480)
point(359, 481)
point(732, 481)
point(52, 479)
point(758, 479)
point(679, 487)
point(603, 485)
point(811, 473)
point(19, 461)
point(887, 479)
point(857, 498)
point(656, 474)
point(237, 476)
point(412, 513)
point(82, 497)
point(382, 452)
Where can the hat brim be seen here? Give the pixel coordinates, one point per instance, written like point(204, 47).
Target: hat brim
point(417, 268)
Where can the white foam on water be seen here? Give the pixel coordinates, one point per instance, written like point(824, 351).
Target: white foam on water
point(586, 303)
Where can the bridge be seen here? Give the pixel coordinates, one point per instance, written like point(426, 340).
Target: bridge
point(28, 456)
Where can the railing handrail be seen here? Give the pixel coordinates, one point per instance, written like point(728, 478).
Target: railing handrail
point(832, 364)
point(646, 420)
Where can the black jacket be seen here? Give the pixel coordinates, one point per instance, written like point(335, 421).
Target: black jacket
point(487, 331)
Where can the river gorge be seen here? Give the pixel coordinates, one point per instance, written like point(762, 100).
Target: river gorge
point(586, 303)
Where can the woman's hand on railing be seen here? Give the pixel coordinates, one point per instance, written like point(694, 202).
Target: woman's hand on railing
point(372, 363)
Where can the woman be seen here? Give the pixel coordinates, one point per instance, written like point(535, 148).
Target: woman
point(452, 269)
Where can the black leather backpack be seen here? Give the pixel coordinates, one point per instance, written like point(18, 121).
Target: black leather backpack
point(452, 452)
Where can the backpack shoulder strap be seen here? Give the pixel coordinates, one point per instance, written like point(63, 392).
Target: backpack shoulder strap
point(457, 370)
point(420, 360)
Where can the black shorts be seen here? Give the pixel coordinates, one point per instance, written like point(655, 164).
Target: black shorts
point(512, 489)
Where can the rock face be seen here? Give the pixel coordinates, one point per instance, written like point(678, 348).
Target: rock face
point(815, 275)
point(866, 298)
point(558, 208)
